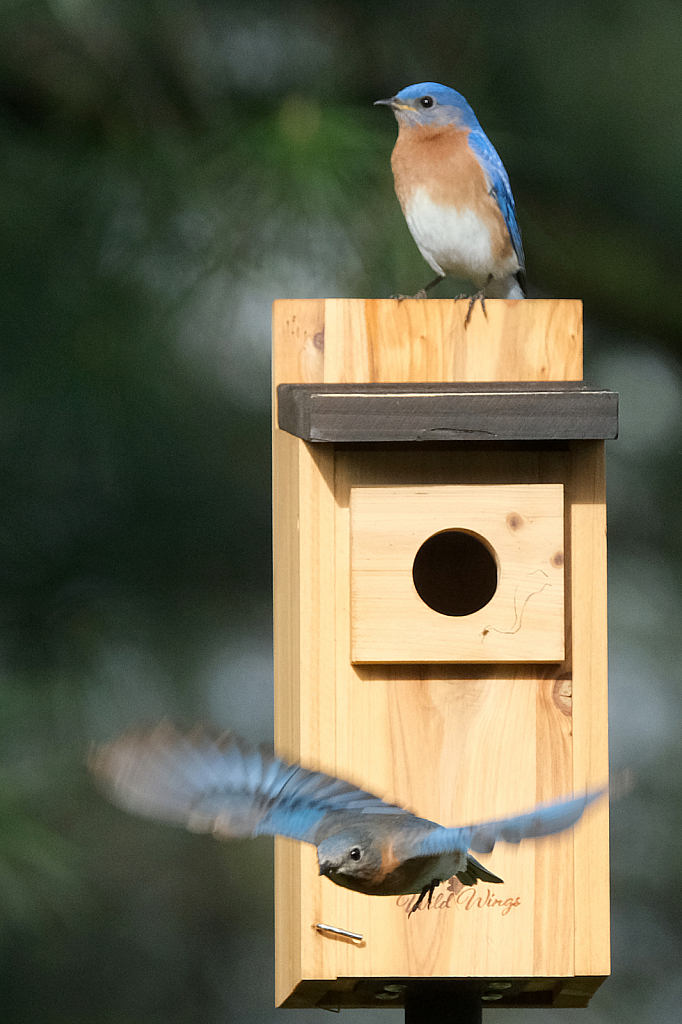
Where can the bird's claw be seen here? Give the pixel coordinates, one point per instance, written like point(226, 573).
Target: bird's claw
point(421, 294)
point(478, 297)
point(428, 890)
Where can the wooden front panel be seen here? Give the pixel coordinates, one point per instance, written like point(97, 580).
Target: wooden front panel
point(455, 743)
point(516, 528)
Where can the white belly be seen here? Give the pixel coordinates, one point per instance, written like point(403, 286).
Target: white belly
point(455, 242)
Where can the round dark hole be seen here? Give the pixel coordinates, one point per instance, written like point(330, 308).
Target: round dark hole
point(455, 573)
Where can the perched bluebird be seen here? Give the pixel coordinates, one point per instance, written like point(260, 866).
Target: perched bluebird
point(454, 192)
point(219, 784)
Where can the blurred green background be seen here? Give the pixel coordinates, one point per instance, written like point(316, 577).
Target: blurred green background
point(168, 169)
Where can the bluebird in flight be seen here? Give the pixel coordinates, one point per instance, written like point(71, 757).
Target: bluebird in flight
point(454, 192)
point(219, 784)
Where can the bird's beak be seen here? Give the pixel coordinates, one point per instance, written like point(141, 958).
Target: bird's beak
point(325, 868)
point(385, 103)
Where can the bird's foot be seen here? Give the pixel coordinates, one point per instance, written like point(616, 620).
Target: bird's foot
point(421, 294)
point(478, 297)
point(428, 890)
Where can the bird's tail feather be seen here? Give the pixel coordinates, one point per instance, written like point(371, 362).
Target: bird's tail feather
point(475, 872)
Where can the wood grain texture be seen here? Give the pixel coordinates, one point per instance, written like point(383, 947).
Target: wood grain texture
point(590, 703)
point(456, 743)
point(304, 333)
point(416, 340)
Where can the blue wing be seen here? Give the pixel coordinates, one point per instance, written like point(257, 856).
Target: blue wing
point(543, 820)
point(219, 784)
point(498, 183)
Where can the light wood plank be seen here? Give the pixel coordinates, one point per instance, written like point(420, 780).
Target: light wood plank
point(416, 340)
point(590, 705)
point(297, 349)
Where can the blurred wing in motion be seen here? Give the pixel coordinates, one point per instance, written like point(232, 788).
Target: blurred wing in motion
point(543, 820)
point(218, 783)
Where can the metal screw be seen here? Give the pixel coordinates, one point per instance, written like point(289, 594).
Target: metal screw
point(355, 936)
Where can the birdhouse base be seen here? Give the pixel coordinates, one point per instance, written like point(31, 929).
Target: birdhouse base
point(495, 993)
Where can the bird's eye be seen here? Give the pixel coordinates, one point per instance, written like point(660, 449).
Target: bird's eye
point(355, 853)
point(426, 102)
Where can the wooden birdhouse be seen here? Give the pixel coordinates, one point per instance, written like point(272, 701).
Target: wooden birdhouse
point(440, 633)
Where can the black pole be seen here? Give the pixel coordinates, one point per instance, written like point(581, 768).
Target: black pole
point(443, 1002)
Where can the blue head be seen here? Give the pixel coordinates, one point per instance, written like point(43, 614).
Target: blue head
point(431, 104)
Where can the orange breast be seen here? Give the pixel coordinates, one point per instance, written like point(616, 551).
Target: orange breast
point(438, 160)
point(389, 861)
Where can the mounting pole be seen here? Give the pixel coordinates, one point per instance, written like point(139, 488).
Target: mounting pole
point(443, 1002)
